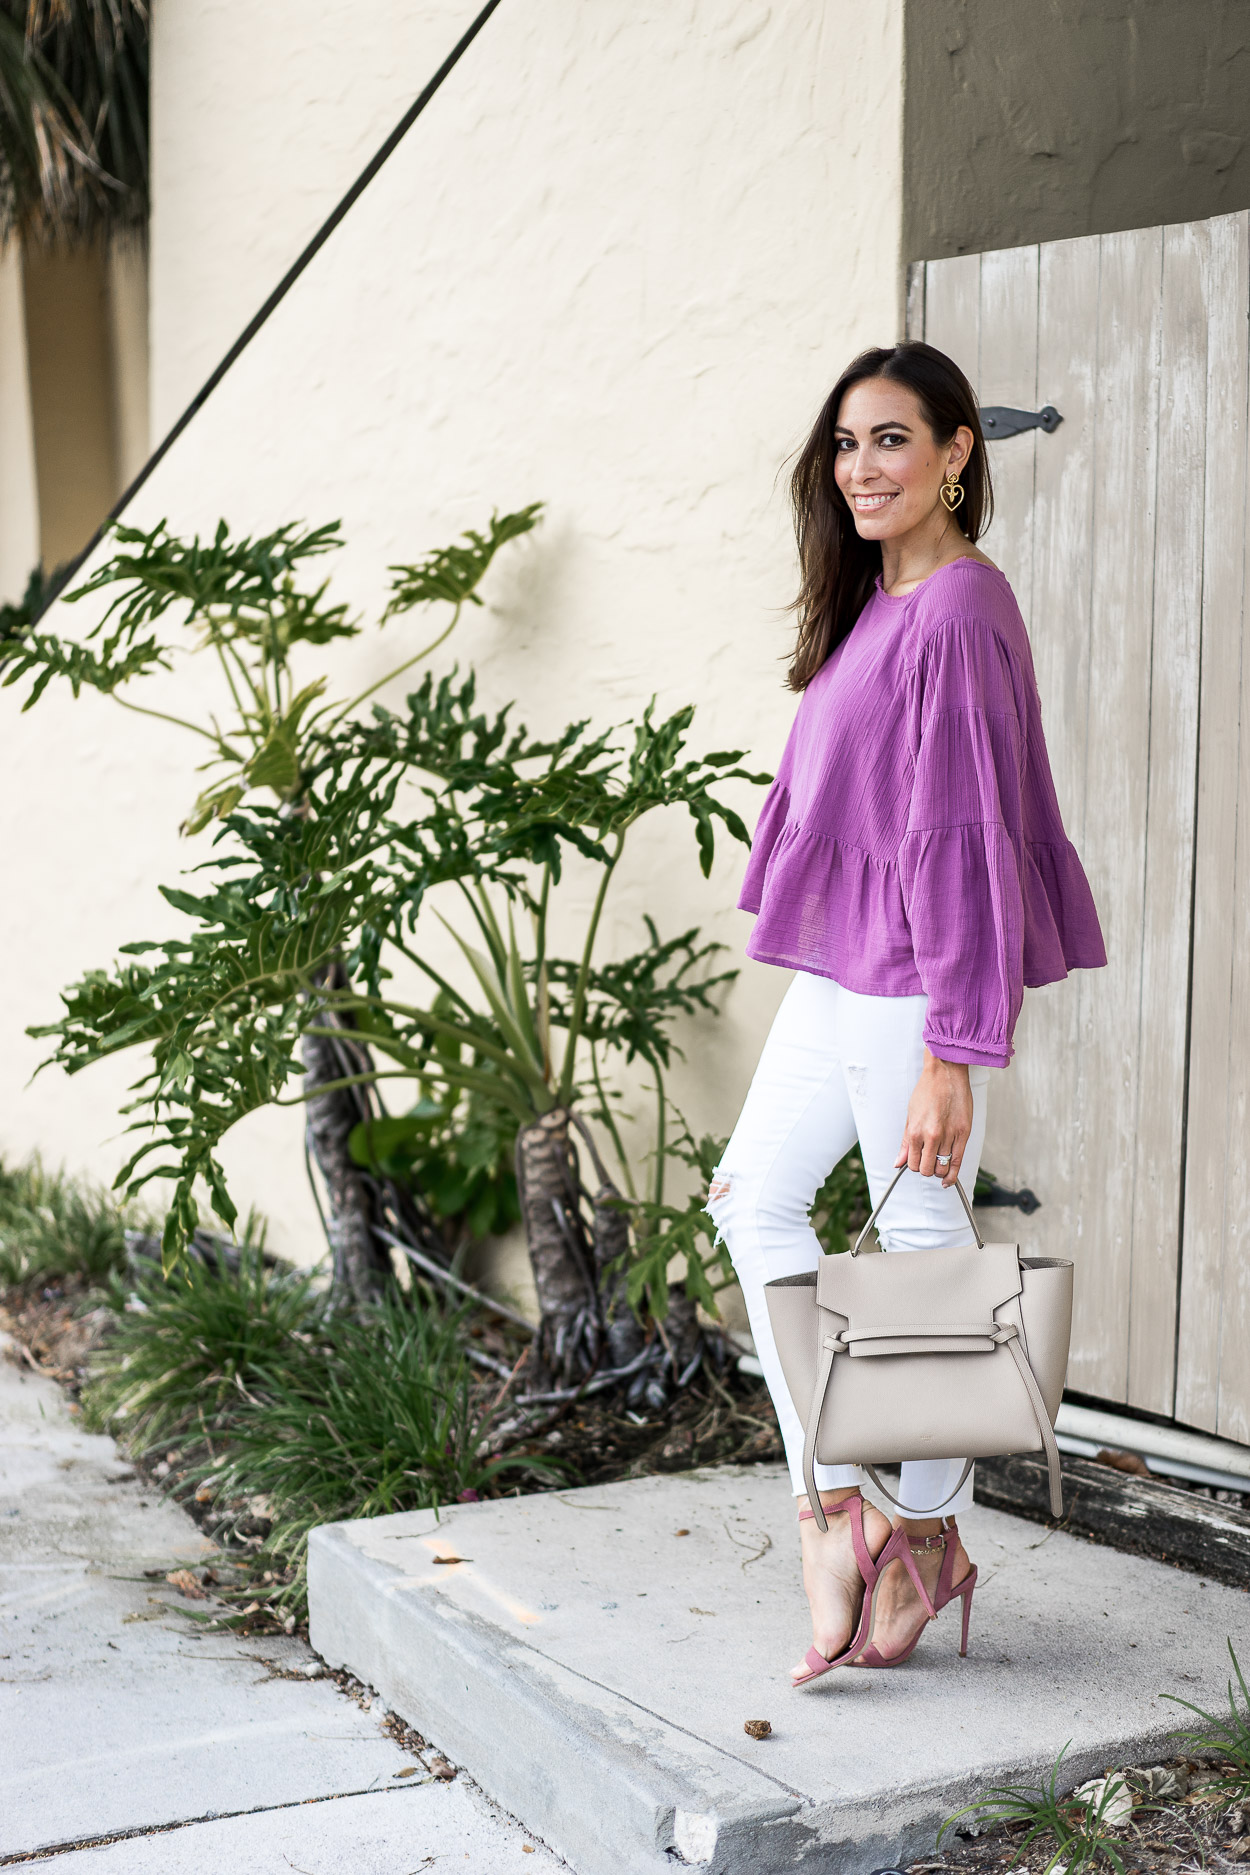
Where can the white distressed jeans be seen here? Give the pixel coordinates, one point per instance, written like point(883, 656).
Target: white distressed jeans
point(836, 1067)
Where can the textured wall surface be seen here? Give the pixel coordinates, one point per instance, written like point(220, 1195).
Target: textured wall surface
point(240, 186)
point(615, 267)
point(1032, 120)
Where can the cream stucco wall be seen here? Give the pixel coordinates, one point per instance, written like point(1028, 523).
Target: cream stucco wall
point(614, 267)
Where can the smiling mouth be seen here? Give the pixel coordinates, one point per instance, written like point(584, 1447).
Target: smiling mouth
point(871, 504)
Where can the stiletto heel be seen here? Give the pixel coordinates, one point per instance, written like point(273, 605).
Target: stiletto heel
point(871, 1569)
point(967, 1595)
point(947, 1590)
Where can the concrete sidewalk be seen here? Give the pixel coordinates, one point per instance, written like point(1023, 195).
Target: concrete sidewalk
point(593, 1658)
point(119, 1717)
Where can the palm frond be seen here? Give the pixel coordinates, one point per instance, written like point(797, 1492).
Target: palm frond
point(73, 118)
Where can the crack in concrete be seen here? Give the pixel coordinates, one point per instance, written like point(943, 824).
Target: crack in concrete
point(189, 1822)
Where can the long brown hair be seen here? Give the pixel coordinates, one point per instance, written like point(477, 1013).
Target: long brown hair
point(837, 568)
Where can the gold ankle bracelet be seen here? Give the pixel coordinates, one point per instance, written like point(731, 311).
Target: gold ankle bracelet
point(926, 1543)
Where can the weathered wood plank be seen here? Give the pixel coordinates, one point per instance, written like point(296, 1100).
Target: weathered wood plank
point(952, 311)
point(1215, 1193)
point(1143, 1516)
point(1008, 375)
point(1114, 844)
point(1233, 1414)
point(1035, 1135)
point(1171, 781)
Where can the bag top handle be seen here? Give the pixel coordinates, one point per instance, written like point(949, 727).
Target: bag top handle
point(963, 1199)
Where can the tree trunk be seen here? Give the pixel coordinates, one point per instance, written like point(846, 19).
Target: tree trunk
point(549, 1188)
point(623, 1332)
point(361, 1264)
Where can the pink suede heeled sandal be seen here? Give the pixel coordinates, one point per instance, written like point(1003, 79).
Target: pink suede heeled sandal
point(947, 1540)
point(871, 1569)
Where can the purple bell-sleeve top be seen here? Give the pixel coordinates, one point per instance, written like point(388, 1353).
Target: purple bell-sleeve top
point(912, 842)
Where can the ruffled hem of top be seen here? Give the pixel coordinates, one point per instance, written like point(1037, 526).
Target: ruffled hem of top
point(826, 907)
point(821, 872)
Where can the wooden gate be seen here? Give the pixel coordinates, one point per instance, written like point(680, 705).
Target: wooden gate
point(1124, 536)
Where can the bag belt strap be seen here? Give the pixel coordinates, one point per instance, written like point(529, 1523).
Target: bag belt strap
point(916, 1331)
point(1006, 1335)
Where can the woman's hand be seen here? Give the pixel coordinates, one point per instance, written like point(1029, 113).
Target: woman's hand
point(939, 1120)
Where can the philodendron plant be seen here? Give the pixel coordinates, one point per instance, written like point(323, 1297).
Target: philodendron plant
point(334, 823)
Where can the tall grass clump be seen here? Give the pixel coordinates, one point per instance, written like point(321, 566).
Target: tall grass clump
point(189, 1349)
point(371, 1417)
point(287, 1413)
point(53, 1226)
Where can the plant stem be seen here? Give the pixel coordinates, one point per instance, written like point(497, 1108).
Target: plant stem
point(541, 985)
point(565, 1091)
point(609, 1120)
point(220, 649)
point(438, 1025)
point(661, 1133)
point(484, 917)
point(401, 668)
point(434, 975)
point(180, 722)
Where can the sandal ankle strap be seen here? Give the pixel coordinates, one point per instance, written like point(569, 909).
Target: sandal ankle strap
point(941, 1539)
point(923, 1546)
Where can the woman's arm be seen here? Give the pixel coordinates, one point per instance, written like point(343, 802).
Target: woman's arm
point(939, 1120)
point(960, 871)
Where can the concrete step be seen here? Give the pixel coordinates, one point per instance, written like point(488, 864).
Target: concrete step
point(593, 1658)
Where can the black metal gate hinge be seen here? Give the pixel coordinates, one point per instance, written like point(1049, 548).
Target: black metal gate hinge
point(998, 420)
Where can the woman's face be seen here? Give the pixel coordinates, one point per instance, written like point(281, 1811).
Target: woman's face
point(888, 465)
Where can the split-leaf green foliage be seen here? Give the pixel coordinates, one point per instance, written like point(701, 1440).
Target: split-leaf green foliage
point(346, 834)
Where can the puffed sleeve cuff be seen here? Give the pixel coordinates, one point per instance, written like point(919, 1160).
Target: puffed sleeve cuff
point(979, 1056)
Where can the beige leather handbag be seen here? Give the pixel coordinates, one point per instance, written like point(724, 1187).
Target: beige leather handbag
point(925, 1354)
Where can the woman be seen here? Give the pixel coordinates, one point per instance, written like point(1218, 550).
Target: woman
point(911, 865)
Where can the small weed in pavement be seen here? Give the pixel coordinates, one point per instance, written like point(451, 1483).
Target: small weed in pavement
point(1230, 1736)
point(1185, 1817)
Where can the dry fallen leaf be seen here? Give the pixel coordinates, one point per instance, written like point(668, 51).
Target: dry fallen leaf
point(441, 1767)
point(1124, 1461)
point(681, 1533)
point(410, 1772)
point(757, 1728)
point(453, 1559)
point(183, 1580)
point(527, 1848)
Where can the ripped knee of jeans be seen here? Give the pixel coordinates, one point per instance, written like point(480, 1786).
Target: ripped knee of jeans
point(718, 1195)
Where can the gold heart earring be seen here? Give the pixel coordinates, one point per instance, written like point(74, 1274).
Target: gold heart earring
point(951, 491)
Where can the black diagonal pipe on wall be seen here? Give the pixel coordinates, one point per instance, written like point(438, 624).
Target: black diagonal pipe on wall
point(292, 274)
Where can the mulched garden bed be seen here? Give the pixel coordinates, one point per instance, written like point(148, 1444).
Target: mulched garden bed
point(720, 1418)
point(1185, 1818)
